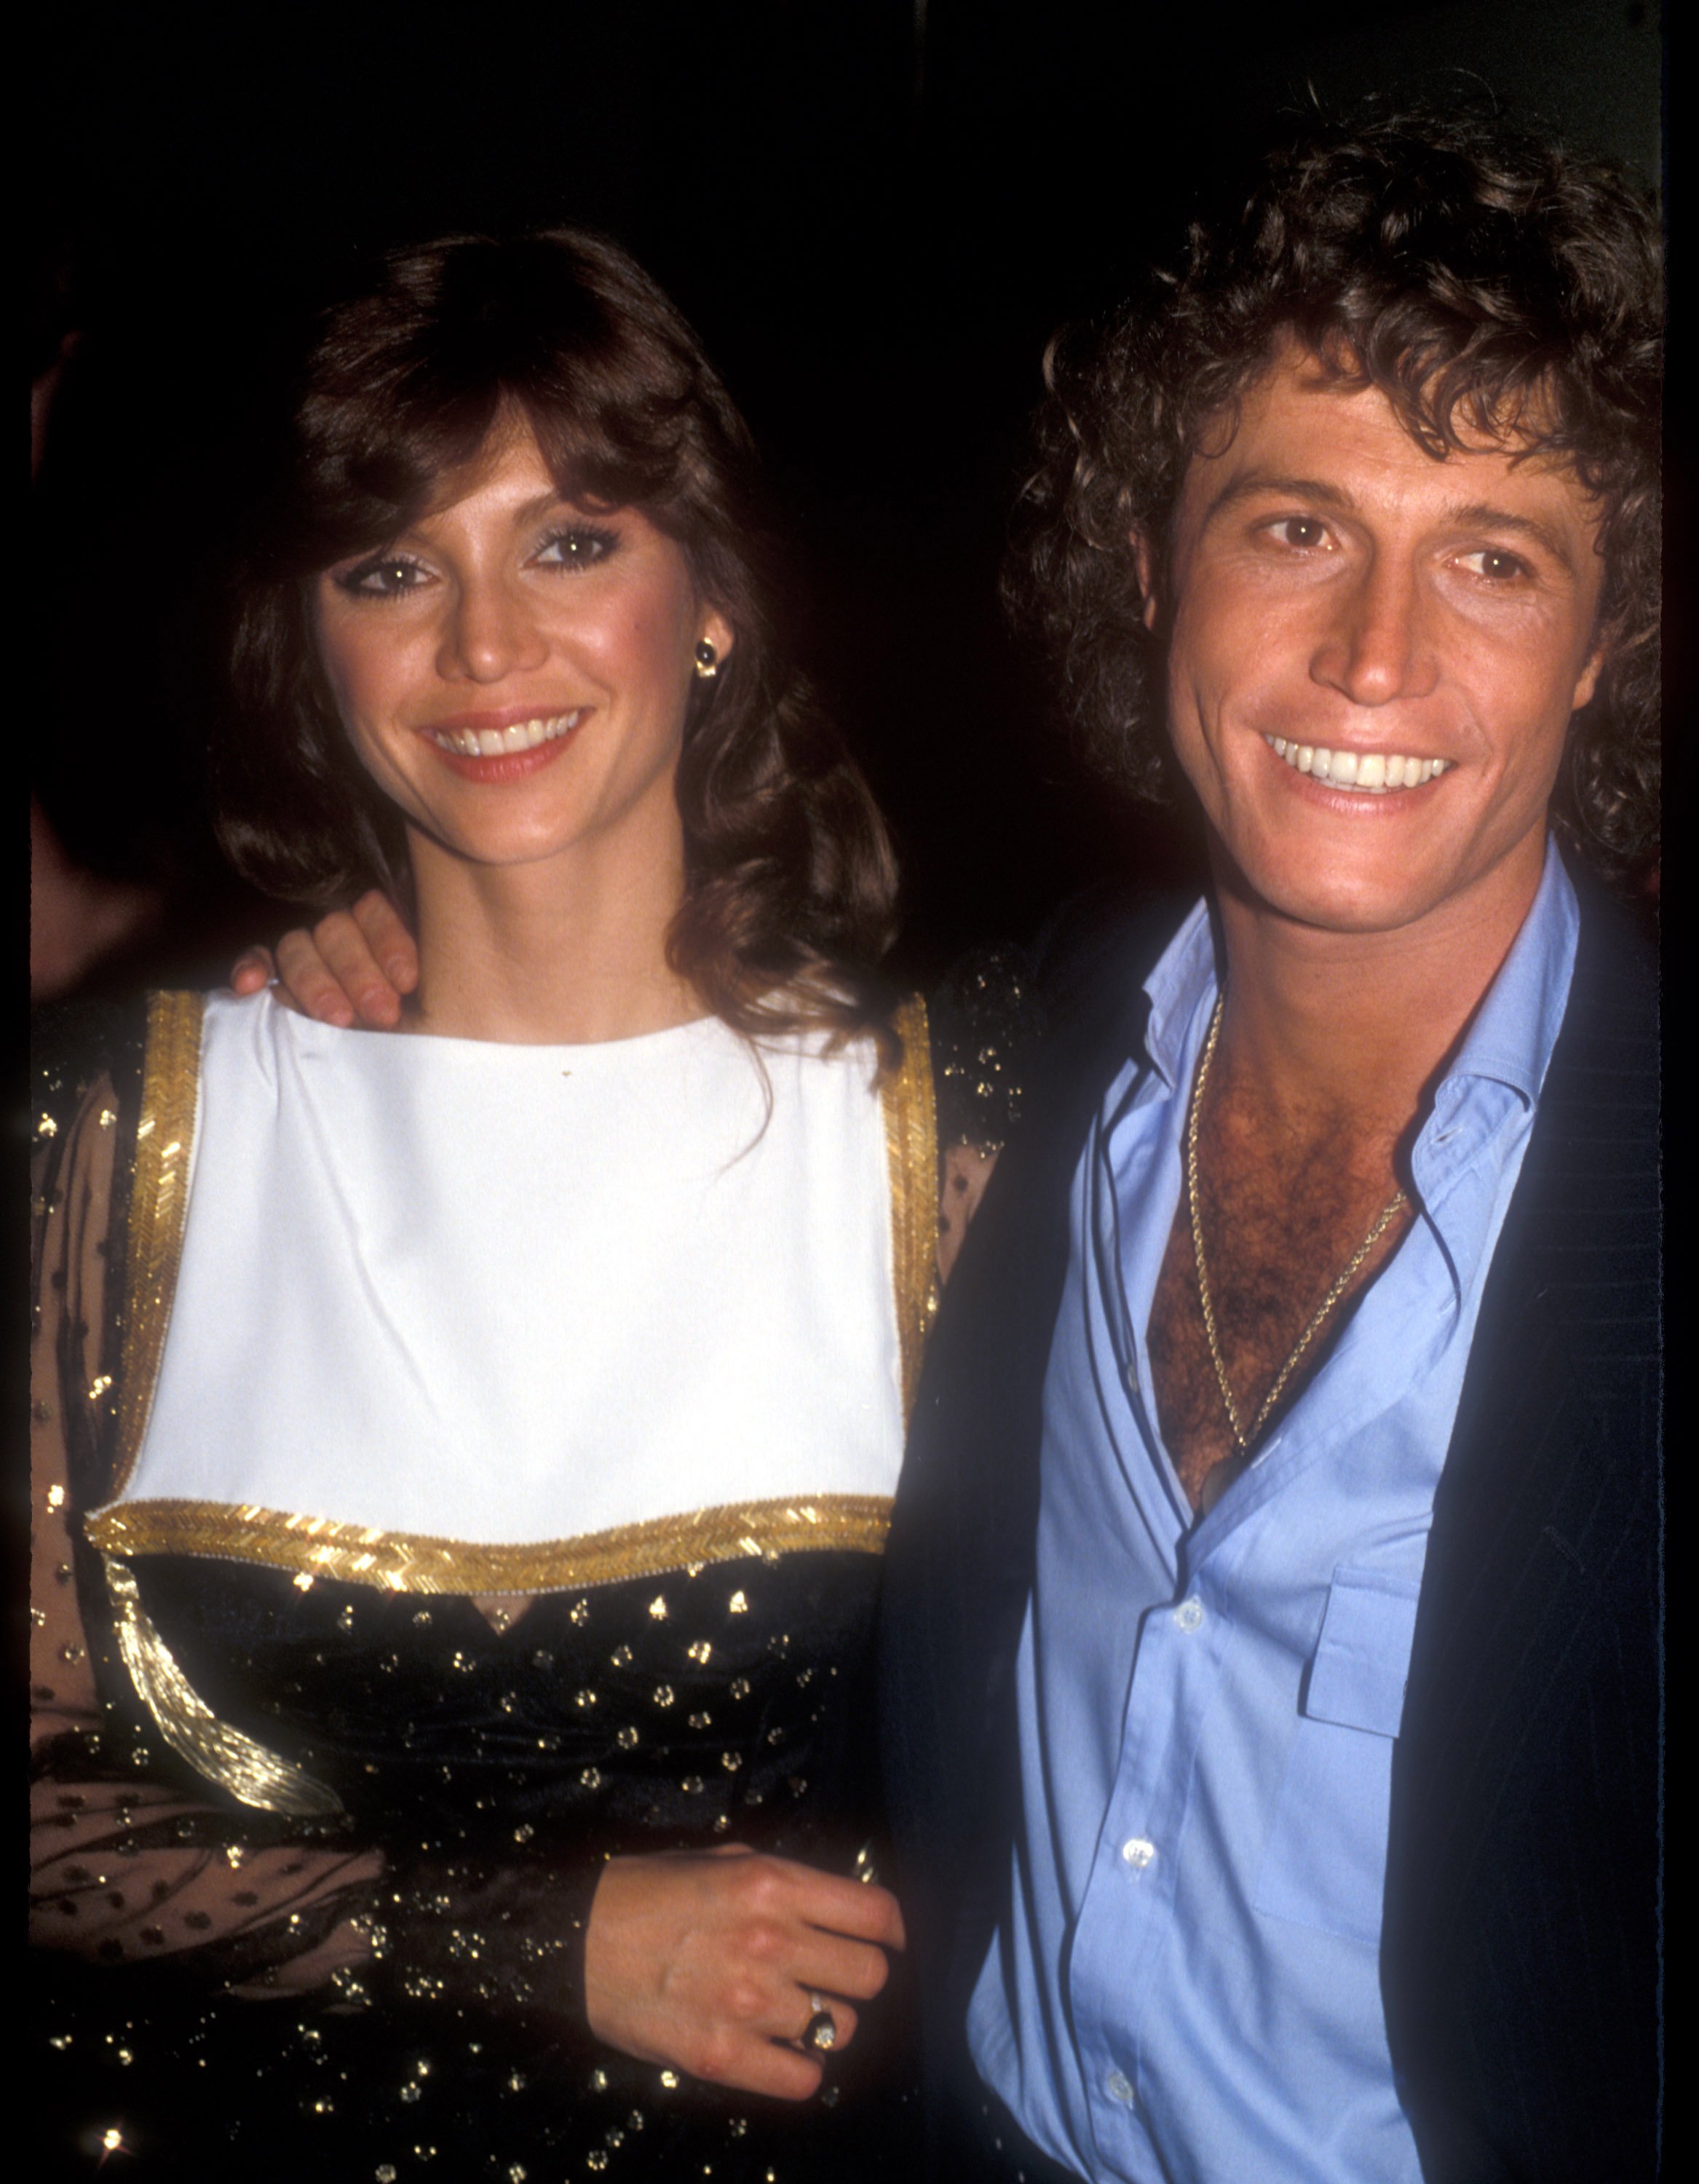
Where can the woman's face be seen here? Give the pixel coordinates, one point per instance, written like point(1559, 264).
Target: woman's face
point(514, 672)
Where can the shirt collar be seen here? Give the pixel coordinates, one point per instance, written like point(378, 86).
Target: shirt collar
point(1511, 1036)
point(1509, 1039)
point(1183, 981)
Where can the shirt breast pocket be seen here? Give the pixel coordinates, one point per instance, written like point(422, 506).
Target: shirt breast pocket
point(1324, 1864)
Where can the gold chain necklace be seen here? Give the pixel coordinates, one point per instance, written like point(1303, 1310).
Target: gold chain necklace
point(1243, 1440)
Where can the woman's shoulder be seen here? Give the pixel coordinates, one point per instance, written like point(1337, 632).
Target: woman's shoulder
point(77, 1047)
point(985, 1021)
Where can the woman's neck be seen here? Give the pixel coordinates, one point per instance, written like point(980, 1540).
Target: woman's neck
point(545, 954)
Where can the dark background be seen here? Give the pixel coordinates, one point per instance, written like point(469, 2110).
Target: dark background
point(874, 210)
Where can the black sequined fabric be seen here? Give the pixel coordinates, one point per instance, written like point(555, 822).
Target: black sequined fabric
point(724, 1703)
point(986, 1021)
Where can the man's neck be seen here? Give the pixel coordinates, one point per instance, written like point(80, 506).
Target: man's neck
point(1324, 1028)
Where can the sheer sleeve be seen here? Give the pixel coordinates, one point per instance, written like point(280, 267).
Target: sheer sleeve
point(986, 1021)
point(123, 1865)
point(129, 1866)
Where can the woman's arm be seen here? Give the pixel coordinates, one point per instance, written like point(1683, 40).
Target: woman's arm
point(123, 1867)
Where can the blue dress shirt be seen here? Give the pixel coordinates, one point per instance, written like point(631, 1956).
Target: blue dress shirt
point(1188, 1984)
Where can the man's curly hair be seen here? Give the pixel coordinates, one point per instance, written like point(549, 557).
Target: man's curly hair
point(1487, 283)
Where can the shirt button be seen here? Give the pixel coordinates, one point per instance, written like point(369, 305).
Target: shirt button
point(1137, 1852)
point(1119, 2088)
point(1189, 1614)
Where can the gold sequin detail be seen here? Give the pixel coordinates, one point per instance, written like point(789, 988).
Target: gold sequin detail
point(56, 1496)
point(738, 1604)
point(224, 1755)
point(158, 1205)
point(911, 1159)
point(700, 1652)
point(398, 1562)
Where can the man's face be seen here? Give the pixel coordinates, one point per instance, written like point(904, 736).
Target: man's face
point(1341, 604)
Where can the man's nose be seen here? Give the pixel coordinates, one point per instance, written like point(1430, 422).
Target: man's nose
point(1376, 646)
point(490, 631)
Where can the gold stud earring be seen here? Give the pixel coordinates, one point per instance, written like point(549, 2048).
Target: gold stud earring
point(707, 661)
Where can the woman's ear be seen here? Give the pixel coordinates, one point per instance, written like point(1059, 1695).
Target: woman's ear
point(719, 632)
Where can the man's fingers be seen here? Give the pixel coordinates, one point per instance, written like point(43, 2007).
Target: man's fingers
point(349, 957)
point(308, 983)
point(392, 944)
point(253, 970)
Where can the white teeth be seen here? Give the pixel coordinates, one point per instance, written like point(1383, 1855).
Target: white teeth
point(1373, 773)
point(523, 735)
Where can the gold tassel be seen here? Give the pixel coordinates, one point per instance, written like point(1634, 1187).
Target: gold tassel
point(224, 1755)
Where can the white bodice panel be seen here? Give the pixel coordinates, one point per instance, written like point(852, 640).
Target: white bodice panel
point(519, 1294)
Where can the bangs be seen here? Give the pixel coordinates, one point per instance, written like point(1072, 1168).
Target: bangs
point(411, 389)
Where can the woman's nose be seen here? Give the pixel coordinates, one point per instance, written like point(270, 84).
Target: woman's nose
point(1376, 646)
point(490, 632)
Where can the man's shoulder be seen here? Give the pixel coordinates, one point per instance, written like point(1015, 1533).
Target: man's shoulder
point(1613, 994)
point(1099, 946)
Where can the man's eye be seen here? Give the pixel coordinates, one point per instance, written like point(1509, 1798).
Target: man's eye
point(1493, 563)
point(580, 546)
point(384, 578)
point(1299, 531)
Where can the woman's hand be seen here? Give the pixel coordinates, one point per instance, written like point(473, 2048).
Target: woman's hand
point(353, 967)
point(706, 1961)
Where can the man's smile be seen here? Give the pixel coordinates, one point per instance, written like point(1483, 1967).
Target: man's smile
point(1374, 773)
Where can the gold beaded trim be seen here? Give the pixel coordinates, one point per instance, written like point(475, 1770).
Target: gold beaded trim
point(160, 1198)
point(911, 1156)
point(250, 1774)
point(400, 1561)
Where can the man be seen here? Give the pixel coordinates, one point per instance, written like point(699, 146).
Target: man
point(1271, 1665)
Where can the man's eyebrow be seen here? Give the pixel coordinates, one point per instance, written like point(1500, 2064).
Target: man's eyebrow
point(1481, 515)
point(1251, 485)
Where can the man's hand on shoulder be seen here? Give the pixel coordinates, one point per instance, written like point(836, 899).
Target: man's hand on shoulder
point(353, 967)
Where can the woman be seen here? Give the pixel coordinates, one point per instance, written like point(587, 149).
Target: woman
point(462, 1455)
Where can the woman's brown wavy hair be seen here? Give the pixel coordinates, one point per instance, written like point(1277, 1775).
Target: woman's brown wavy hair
point(1488, 284)
point(790, 879)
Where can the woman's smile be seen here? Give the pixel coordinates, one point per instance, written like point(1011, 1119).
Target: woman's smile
point(487, 747)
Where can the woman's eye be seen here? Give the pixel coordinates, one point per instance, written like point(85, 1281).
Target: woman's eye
point(384, 578)
point(580, 547)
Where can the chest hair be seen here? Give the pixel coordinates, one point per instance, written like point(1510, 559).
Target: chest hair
point(1283, 1210)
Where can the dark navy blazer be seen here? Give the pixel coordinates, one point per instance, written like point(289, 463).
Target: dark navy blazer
point(1520, 1953)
